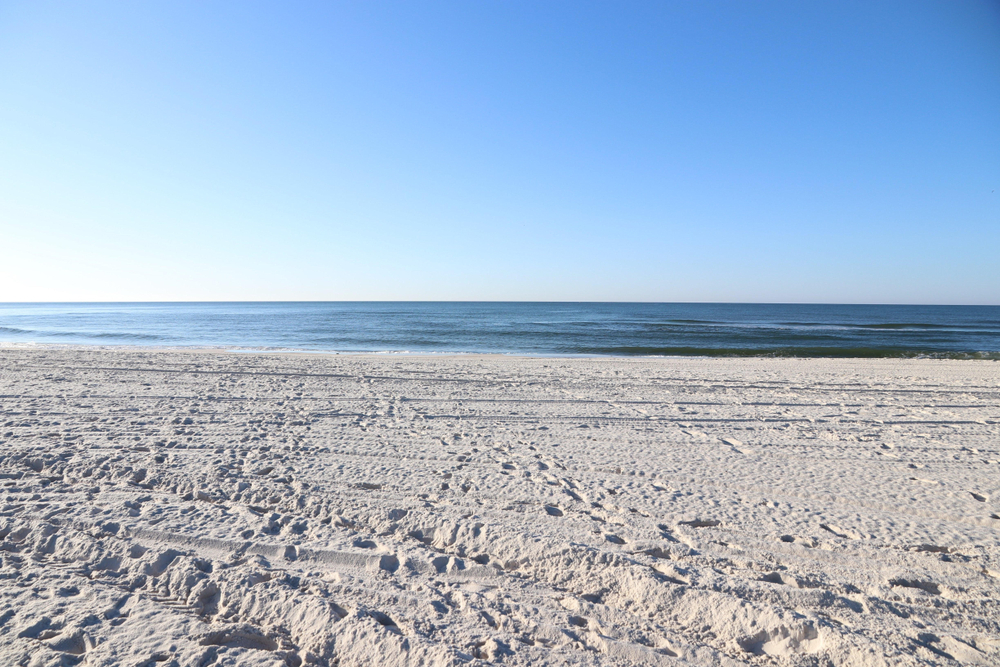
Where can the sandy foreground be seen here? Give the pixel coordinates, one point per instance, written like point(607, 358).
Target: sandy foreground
point(209, 508)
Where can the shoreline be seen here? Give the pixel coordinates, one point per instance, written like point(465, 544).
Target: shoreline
point(743, 353)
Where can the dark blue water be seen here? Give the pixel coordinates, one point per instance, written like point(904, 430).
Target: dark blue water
point(521, 328)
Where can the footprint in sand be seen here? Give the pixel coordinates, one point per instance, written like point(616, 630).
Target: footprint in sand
point(781, 578)
point(919, 584)
point(840, 532)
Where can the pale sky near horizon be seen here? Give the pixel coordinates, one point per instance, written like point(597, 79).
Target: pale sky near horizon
point(600, 151)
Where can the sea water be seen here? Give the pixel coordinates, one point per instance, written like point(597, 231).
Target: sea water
point(707, 329)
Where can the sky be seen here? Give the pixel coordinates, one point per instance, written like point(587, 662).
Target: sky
point(821, 152)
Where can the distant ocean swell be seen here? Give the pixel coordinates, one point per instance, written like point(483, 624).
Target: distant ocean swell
point(915, 326)
point(111, 336)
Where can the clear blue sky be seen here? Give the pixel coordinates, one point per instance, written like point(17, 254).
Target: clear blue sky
point(650, 151)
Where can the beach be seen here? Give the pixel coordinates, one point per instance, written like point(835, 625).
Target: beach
point(203, 507)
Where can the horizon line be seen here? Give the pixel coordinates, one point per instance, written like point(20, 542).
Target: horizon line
point(511, 301)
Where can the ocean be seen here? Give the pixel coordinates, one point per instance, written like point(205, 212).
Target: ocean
point(576, 329)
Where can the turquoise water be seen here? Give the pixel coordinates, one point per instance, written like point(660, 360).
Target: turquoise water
point(520, 328)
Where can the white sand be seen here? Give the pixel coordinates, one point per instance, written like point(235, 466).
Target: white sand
point(205, 508)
